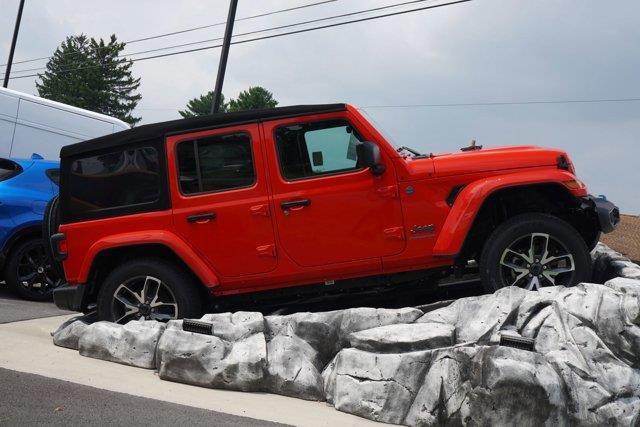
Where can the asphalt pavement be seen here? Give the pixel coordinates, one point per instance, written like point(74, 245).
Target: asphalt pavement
point(38, 400)
point(14, 309)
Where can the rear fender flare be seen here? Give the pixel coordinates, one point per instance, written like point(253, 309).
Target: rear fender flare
point(179, 247)
point(469, 201)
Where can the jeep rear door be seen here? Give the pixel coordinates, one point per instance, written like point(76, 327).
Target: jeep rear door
point(220, 198)
point(328, 209)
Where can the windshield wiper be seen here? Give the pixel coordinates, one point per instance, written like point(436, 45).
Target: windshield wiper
point(410, 150)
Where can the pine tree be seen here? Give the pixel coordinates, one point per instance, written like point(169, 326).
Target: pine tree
point(90, 74)
point(254, 98)
point(202, 106)
point(251, 99)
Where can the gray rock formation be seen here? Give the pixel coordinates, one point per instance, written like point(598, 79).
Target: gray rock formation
point(609, 264)
point(131, 344)
point(585, 369)
point(68, 334)
point(402, 338)
point(626, 286)
point(488, 386)
point(441, 366)
point(233, 358)
point(300, 345)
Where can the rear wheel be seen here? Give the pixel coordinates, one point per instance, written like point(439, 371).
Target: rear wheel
point(532, 251)
point(29, 273)
point(148, 289)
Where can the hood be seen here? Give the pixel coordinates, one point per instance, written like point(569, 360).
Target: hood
point(495, 159)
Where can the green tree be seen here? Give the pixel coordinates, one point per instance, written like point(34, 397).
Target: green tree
point(202, 106)
point(91, 74)
point(252, 99)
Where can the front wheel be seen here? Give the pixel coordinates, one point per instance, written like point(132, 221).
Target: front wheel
point(148, 289)
point(532, 251)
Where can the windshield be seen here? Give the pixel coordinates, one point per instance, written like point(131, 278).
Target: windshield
point(379, 128)
point(403, 149)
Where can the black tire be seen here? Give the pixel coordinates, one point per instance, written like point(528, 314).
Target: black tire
point(28, 272)
point(174, 284)
point(50, 225)
point(504, 258)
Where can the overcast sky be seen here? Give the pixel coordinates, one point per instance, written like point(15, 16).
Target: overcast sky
point(484, 51)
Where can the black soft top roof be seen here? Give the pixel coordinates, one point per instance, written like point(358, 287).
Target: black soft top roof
point(155, 130)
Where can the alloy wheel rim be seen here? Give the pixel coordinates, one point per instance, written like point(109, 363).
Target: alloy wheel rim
point(537, 260)
point(144, 297)
point(35, 272)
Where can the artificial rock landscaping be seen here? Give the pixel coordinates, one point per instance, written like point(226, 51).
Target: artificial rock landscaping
point(409, 367)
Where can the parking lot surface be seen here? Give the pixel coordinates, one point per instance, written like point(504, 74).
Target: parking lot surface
point(13, 309)
point(37, 400)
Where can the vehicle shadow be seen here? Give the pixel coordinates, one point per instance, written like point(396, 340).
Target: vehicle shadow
point(423, 294)
point(6, 294)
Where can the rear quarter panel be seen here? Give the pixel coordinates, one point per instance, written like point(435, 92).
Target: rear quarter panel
point(85, 240)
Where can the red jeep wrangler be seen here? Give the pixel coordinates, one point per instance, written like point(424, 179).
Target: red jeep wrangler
point(160, 220)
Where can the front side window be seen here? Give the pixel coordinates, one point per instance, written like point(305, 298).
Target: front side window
point(215, 163)
point(118, 179)
point(320, 148)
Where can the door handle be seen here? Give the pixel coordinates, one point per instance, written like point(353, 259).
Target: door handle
point(201, 218)
point(295, 204)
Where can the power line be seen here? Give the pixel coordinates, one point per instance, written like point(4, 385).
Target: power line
point(321, 27)
point(280, 27)
point(470, 104)
point(186, 30)
point(263, 30)
point(479, 104)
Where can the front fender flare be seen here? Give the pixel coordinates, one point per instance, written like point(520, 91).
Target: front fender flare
point(206, 275)
point(468, 203)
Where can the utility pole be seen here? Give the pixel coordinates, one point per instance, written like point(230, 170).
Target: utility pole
point(13, 44)
point(224, 54)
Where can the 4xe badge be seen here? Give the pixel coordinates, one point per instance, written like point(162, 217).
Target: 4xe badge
point(409, 190)
point(417, 229)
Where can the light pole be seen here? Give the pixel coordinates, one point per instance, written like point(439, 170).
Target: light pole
point(224, 54)
point(13, 44)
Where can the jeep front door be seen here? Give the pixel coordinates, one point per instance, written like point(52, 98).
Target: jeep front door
point(329, 208)
point(220, 199)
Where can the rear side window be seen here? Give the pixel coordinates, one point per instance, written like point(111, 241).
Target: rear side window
point(121, 179)
point(8, 169)
point(308, 150)
point(215, 163)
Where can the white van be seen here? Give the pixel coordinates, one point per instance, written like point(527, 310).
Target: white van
point(29, 124)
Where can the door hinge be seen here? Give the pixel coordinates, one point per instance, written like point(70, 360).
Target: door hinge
point(390, 191)
point(396, 233)
point(266, 250)
point(260, 210)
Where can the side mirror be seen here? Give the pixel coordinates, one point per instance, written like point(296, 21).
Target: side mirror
point(369, 156)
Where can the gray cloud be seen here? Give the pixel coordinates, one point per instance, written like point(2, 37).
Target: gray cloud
point(486, 50)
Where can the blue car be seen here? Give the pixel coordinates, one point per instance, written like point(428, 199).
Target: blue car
point(26, 186)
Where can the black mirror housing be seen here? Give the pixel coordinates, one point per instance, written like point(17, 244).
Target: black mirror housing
point(369, 156)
